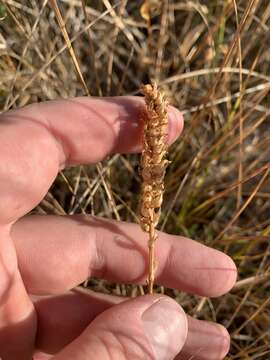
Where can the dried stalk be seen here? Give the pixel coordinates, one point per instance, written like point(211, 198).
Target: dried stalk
point(63, 29)
point(153, 167)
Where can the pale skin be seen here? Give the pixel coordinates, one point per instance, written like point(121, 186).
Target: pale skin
point(51, 255)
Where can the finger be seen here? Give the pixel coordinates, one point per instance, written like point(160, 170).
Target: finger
point(39, 139)
point(74, 311)
point(56, 253)
point(147, 328)
point(205, 341)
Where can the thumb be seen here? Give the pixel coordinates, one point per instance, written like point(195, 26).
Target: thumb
point(150, 327)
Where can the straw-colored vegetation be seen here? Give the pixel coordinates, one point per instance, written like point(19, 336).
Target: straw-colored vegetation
point(153, 167)
point(212, 59)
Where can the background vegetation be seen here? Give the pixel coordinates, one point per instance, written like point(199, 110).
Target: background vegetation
point(212, 58)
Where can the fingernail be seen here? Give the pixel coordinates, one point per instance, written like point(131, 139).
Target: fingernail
point(165, 326)
point(199, 333)
point(224, 341)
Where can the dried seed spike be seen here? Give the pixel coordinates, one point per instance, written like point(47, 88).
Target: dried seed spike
point(153, 167)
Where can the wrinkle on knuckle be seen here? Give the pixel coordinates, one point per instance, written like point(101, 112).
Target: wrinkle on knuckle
point(97, 264)
point(169, 262)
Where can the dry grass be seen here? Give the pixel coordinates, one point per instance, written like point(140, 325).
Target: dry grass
point(212, 59)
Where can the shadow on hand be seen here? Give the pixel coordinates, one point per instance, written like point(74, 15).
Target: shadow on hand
point(17, 341)
point(62, 318)
point(128, 258)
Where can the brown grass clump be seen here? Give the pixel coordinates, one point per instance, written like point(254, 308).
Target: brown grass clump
point(153, 167)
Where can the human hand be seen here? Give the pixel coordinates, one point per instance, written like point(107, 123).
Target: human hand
point(50, 255)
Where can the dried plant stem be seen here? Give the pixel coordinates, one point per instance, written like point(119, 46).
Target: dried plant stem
point(63, 29)
point(152, 263)
point(153, 167)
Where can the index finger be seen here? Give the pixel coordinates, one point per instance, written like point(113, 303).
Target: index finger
point(41, 138)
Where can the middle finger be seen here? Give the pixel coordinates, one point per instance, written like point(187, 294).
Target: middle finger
point(56, 253)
